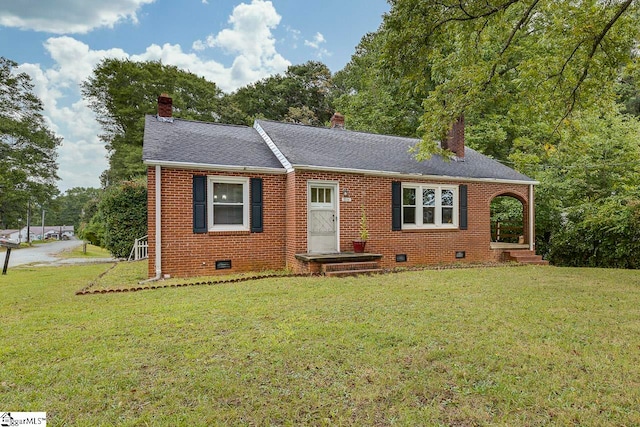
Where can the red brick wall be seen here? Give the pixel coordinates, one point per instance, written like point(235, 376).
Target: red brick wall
point(187, 254)
point(296, 221)
point(285, 234)
point(422, 247)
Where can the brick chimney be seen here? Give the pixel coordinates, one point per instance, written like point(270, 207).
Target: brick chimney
point(455, 140)
point(165, 106)
point(337, 121)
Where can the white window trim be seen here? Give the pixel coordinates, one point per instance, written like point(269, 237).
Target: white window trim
point(438, 208)
point(211, 179)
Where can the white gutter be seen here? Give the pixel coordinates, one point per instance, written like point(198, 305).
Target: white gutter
point(208, 166)
point(412, 175)
point(158, 194)
point(532, 219)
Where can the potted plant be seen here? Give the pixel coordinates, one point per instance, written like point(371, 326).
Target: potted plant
point(358, 245)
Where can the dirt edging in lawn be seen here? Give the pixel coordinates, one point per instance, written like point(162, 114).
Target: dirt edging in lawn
point(88, 291)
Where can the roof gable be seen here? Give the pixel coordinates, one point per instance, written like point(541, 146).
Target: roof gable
point(203, 144)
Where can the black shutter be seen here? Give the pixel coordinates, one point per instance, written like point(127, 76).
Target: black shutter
point(396, 206)
point(199, 204)
point(463, 206)
point(256, 205)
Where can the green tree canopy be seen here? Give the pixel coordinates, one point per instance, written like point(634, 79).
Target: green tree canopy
point(371, 97)
point(588, 202)
point(302, 94)
point(531, 61)
point(28, 168)
point(121, 92)
point(68, 208)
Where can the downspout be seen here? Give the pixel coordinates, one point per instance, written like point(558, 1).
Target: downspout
point(158, 260)
point(532, 219)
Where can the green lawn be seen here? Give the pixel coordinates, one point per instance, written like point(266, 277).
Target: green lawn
point(92, 251)
point(523, 346)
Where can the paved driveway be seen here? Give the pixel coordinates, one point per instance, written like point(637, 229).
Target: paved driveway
point(45, 253)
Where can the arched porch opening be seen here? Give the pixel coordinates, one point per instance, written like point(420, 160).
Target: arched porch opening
point(509, 220)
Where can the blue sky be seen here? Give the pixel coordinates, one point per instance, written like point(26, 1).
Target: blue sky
point(230, 42)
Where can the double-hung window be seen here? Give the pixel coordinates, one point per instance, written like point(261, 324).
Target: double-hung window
point(429, 206)
point(228, 203)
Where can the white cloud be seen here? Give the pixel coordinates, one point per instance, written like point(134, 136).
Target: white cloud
point(295, 35)
point(251, 40)
point(316, 43)
point(82, 156)
point(174, 55)
point(68, 16)
point(318, 39)
point(198, 45)
point(74, 59)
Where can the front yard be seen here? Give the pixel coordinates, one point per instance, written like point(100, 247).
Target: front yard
point(495, 346)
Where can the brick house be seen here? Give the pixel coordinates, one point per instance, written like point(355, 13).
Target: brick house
point(225, 198)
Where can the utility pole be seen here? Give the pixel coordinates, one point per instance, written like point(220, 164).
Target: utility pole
point(29, 222)
point(42, 223)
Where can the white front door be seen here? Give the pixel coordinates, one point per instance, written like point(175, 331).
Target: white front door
point(322, 224)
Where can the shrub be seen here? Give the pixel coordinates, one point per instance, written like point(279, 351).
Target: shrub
point(124, 209)
point(605, 234)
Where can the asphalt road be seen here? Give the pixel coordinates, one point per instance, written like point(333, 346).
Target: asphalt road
point(45, 253)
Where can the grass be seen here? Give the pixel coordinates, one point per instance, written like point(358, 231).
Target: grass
point(91, 252)
point(498, 346)
point(126, 275)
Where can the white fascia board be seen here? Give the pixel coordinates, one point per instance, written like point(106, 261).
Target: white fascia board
point(412, 175)
point(273, 147)
point(207, 166)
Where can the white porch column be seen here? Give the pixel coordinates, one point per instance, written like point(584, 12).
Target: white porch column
point(532, 219)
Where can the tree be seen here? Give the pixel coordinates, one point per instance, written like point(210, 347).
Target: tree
point(92, 223)
point(68, 208)
point(371, 97)
point(302, 93)
point(27, 147)
point(588, 210)
point(121, 92)
point(302, 115)
point(124, 210)
point(538, 60)
point(537, 82)
point(629, 95)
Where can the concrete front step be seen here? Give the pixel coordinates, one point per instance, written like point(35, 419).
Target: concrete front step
point(350, 268)
point(342, 266)
point(344, 273)
point(527, 258)
point(524, 257)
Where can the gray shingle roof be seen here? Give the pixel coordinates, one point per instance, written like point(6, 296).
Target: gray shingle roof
point(200, 143)
point(339, 148)
point(214, 144)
